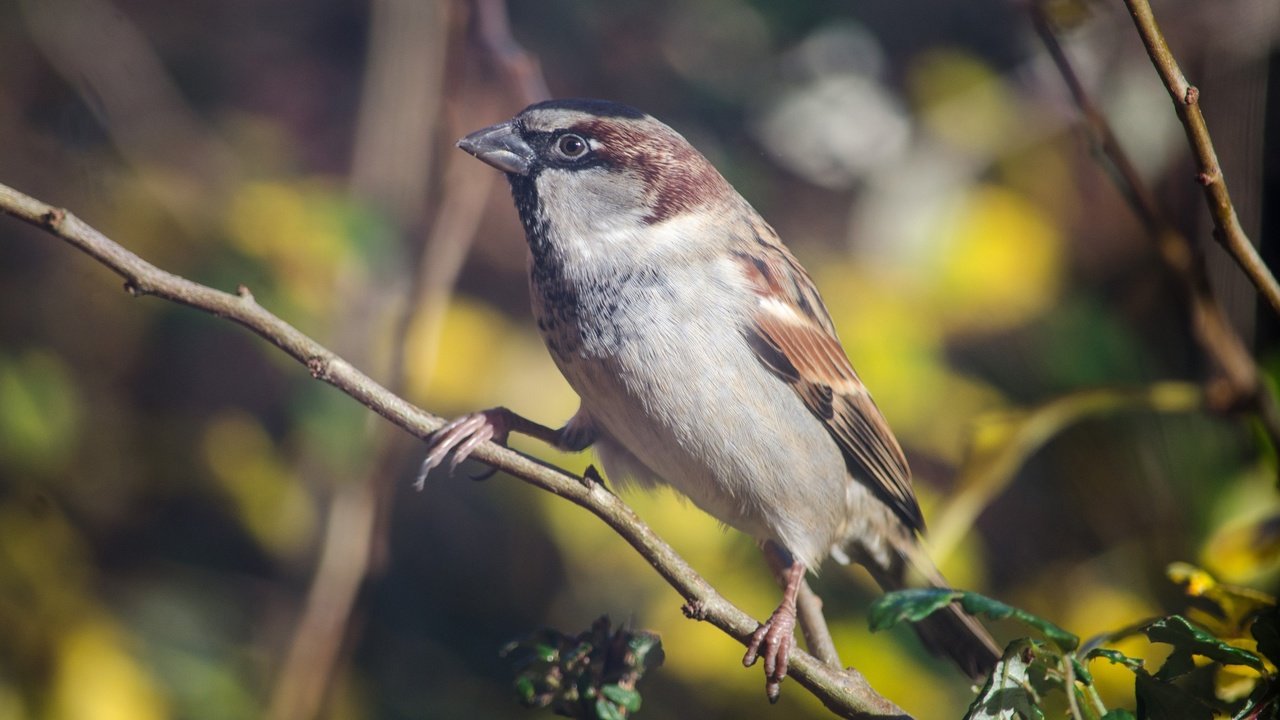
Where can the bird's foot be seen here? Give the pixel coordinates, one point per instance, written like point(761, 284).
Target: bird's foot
point(773, 641)
point(457, 440)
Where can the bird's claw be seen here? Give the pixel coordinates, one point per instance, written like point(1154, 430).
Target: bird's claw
point(457, 440)
point(773, 641)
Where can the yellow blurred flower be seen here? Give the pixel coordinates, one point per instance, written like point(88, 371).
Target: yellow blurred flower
point(1245, 548)
point(998, 263)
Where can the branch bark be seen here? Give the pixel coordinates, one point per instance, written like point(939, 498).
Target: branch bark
point(846, 693)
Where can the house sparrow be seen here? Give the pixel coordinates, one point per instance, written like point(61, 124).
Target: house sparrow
point(704, 358)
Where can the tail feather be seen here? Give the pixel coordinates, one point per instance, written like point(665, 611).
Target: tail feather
point(953, 633)
point(949, 632)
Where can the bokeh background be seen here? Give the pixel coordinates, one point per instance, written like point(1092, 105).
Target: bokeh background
point(192, 527)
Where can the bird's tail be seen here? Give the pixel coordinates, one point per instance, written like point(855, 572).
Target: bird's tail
point(948, 632)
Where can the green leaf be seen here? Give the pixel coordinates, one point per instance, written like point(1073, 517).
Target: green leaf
point(917, 604)
point(646, 650)
point(526, 691)
point(1007, 695)
point(545, 653)
point(975, 604)
point(1176, 665)
point(1160, 700)
point(1043, 674)
point(1116, 657)
point(1188, 640)
point(606, 710)
point(625, 698)
point(909, 605)
point(1119, 714)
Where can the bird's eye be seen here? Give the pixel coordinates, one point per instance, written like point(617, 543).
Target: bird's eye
point(571, 146)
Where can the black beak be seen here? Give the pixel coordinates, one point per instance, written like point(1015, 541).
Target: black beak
point(500, 146)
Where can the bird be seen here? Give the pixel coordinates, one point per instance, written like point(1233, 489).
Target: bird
point(704, 360)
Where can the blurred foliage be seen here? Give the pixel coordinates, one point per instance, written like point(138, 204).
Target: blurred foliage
point(41, 413)
point(166, 478)
point(1237, 646)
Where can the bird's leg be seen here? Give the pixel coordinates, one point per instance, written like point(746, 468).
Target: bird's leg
point(774, 638)
point(460, 438)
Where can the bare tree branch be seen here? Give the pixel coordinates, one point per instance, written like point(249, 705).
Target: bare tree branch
point(313, 654)
point(1186, 101)
point(813, 624)
point(400, 105)
point(1241, 385)
point(846, 693)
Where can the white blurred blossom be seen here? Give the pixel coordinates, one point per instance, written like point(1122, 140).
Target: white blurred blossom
point(836, 121)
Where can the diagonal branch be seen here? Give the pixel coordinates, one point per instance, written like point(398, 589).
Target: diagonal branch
point(1186, 101)
point(845, 693)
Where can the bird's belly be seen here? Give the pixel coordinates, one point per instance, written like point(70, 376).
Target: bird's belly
point(676, 388)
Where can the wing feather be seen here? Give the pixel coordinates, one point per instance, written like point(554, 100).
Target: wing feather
point(793, 336)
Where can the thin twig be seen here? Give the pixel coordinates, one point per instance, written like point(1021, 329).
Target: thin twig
point(314, 650)
point(1242, 387)
point(845, 693)
point(393, 152)
point(813, 624)
point(1109, 148)
point(1069, 680)
point(1186, 101)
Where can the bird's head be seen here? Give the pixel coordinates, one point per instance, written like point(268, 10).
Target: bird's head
point(592, 168)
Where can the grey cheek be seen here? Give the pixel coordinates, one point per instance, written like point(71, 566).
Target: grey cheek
point(587, 198)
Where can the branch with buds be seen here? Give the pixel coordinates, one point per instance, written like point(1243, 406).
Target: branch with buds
point(844, 692)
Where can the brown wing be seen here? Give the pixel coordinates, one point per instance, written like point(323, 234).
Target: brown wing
point(793, 337)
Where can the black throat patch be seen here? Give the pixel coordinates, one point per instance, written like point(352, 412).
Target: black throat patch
point(547, 275)
point(537, 229)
